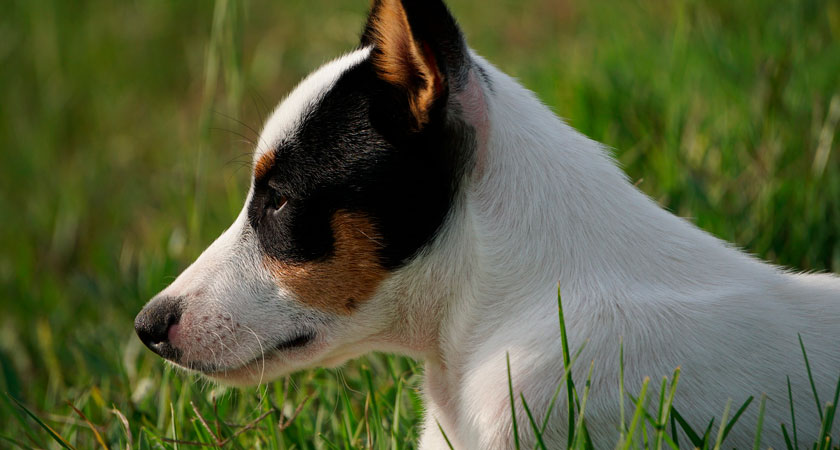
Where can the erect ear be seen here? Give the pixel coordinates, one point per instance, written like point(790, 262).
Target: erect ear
point(417, 47)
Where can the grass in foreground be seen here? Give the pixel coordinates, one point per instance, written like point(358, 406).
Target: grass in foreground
point(172, 414)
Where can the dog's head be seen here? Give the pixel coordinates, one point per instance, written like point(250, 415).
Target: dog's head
point(355, 175)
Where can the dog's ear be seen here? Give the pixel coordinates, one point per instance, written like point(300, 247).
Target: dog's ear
point(417, 47)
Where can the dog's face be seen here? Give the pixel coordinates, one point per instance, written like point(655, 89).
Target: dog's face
point(355, 174)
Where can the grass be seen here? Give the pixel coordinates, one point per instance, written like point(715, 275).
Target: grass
point(124, 145)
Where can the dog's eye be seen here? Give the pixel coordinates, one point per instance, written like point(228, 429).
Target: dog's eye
point(275, 201)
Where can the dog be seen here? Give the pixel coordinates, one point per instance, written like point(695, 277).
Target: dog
point(409, 197)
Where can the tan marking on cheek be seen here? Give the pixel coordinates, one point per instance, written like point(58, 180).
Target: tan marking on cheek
point(264, 164)
point(347, 278)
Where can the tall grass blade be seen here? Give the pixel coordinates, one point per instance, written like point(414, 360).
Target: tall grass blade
point(580, 428)
point(622, 424)
point(792, 417)
point(560, 385)
point(537, 433)
point(722, 429)
point(445, 437)
point(788, 444)
point(829, 418)
point(570, 386)
point(736, 416)
point(395, 427)
point(512, 404)
point(637, 414)
point(760, 423)
point(708, 433)
point(90, 425)
point(378, 432)
point(824, 439)
point(328, 443)
point(811, 378)
point(347, 418)
point(53, 434)
point(172, 425)
point(126, 426)
point(674, 432)
point(692, 435)
point(665, 409)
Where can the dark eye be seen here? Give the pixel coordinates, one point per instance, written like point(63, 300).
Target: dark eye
point(275, 201)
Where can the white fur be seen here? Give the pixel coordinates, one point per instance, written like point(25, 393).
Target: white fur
point(547, 205)
point(551, 206)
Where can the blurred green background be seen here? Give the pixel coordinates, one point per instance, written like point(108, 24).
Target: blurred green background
point(125, 139)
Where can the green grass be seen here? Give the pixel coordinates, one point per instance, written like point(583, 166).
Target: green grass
point(125, 134)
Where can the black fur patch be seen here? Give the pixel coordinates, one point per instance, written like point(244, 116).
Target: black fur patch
point(355, 151)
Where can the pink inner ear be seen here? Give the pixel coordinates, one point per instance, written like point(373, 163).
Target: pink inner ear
point(474, 107)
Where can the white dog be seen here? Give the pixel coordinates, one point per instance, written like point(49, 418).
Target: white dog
point(409, 197)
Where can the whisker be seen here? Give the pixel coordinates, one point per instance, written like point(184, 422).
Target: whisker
point(245, 138)
point(256, 133)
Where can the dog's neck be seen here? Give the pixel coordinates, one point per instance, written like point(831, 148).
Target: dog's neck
point(546, 205)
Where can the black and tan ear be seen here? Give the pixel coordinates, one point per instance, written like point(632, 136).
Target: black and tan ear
point(418, 47)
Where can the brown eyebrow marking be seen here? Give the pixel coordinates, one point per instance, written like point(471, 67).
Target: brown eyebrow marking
point(346, 279)
point(264, 164)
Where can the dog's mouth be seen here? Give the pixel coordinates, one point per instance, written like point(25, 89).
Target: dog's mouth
point(297, 341)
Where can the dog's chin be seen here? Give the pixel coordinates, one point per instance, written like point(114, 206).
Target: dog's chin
point(250, 375)
point(258, 371)
point(272, 366)
point(284, 358)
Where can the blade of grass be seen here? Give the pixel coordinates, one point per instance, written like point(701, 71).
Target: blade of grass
point(378, 432)
point(125, 425)
point(537, 433)
point(823, 438)
point(445, 437)
point(761, 402)
point(559, 389)
point(512, 404)
point(792, 417)
point(172, 423)
point(829, 418)
point(396, 421)
point(788, 444)
point(674, 433)
point(347, 418)
point(327, 442)
point(637, 414)
point(90, 425)
point(622, 424)
point(665, 410)
point(21, 419)
point(708, 433)
point(695, 439)
point(736, 416)
point(53, 434)
point(580, 428)
point(570, 386)
point(722, 428)
point(811, 378)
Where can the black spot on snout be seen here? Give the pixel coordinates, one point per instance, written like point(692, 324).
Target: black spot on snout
point(153, 322)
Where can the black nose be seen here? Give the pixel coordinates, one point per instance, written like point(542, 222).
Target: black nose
point(153, 322)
